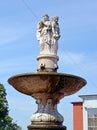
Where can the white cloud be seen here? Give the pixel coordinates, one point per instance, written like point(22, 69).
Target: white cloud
point(79, 64)
point(67, 57)
point(21, 102)
point(13, 66)
point(90, 67)
point(11, 34)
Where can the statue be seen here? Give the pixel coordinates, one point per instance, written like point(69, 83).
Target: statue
point(48, 33)
point(44, 34)
point(55, 34)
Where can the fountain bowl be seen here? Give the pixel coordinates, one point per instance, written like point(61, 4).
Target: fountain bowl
point(51, 84)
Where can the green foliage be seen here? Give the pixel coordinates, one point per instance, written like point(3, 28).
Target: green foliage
point(5, 120)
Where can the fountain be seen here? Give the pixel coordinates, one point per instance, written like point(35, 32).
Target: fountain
point(47, 86)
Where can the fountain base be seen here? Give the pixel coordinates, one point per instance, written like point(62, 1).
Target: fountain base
point(47, 88)
point(46, 127)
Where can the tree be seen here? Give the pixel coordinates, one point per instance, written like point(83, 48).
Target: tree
point(6, 122)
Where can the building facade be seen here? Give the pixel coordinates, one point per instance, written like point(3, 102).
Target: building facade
point(85, 113)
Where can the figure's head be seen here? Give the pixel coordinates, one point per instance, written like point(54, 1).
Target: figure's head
point(45, 17)
point(55, 18)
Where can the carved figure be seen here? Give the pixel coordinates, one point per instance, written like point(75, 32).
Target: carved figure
point(48, 34)
point(55, 34)
point(44, 34)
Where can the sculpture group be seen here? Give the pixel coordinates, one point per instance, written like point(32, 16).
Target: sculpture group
point(48, 33)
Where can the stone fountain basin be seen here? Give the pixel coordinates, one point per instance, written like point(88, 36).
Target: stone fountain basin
point(50, 83)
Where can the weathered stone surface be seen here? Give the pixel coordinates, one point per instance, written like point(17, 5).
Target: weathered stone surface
point(54, 85)
point(48, 34)
point(47, 88)
point(47, 63)
point(46, 127)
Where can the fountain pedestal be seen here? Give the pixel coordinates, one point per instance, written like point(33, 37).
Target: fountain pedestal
point(46, 117)
point(47, 62)
point(48, 88)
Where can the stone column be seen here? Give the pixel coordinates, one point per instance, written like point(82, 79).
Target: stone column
point(47, 62)
point(46, 117)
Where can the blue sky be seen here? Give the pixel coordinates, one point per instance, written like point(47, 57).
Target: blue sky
point(19, 49)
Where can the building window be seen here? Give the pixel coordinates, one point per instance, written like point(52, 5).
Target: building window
point(92, 119)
